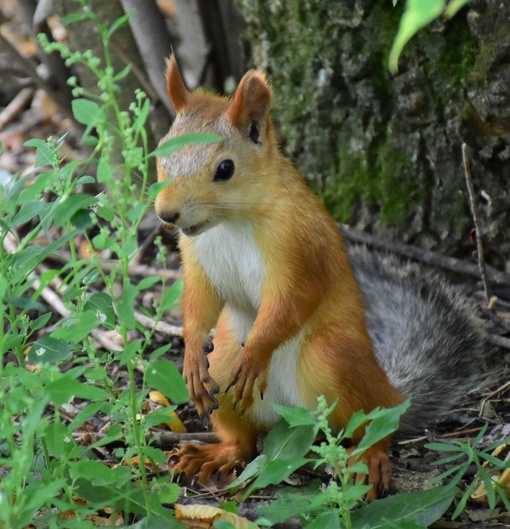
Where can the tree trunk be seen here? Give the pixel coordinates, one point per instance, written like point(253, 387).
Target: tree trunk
point(385, 151)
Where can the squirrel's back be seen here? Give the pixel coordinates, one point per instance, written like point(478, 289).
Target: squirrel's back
point(426, 336)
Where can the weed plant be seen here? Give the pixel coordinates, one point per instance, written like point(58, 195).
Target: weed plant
point(48, 478)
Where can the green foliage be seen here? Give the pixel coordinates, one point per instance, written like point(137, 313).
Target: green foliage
point(417, 14)
point(461, 456)
point(43, 466)
point(334, 505)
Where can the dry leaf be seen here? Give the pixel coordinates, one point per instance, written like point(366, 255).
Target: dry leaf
point(176, 426)
point(203, 516)
point(480, 494)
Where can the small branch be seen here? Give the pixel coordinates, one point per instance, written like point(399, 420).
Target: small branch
point(422, 255)
point(16, 106)
point(170, 438)
point(31, 70)
point(142, 270)
point(499, 341)
point(476, 220)
point(160, 326)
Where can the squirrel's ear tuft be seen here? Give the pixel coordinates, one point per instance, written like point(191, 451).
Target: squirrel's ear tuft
point(177, 90)
point(252, 100)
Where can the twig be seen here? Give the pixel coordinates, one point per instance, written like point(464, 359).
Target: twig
point(142, 270)
point(422, 255)
point(500, 341)
point(502, 388)
point(170, 438)
point(504, 324)
point(15, 106)
point(54, 300)
point(31, 70)
point(476, 221)
point(160, 326)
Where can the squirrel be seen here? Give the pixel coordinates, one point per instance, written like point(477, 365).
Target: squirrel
point(295, 315)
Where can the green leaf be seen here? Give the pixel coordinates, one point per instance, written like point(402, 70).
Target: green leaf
point(417, 14)
point(154, 189)
point(27, 212)
point(423, 507)
point(43, 155)
point(172, 296)
point(142, 116)
point(85, 180)
point(169, 147)
point(104, 171)
point(125, 306)
point(77, 326)
point(58, 440)
point(291, 502)
point(69, 206)
point(329, 519)
point(36, 187)
point(74, 17)
point(284, 441)
point(117, 24)
point(276, 471)
point(283, 453)
point(165, 377)
point(252, 469)
point(86, 413)
point(126, 497)
point(296, 416)
point(100, 474)
point(86, 112)
point(48, 350)
point(147, 282)
point(160, 351)
point(453, 7)
point(102, 304)
point(160, 416)
point(155, 454)
point(40, 322)
point(24, 303)
point(384, 422)
point(64, 388)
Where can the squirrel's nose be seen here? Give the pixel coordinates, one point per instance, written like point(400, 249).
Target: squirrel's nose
point(169, 217)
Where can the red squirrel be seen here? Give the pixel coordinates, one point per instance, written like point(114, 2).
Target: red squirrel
point(265, 265)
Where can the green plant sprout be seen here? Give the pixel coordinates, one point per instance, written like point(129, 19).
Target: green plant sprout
point(417, 14)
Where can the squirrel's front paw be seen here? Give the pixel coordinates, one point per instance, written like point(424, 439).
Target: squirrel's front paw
point(202, 388)
point(379, 470)
point(246, 372)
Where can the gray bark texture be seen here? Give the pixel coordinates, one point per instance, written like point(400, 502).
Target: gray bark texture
point(385, 151)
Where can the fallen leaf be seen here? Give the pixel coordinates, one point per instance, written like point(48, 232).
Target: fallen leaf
point(203, 516)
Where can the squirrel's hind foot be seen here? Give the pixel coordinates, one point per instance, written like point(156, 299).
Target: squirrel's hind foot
point(212, 466)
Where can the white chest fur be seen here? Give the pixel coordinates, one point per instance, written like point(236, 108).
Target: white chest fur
point(232, 261)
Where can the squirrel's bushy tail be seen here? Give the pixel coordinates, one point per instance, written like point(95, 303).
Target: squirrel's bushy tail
point(426, 336)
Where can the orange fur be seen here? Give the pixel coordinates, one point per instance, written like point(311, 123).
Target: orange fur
point(288, 312)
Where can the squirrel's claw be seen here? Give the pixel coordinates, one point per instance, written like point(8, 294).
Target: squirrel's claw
point(243, 378)
point(202, 388)
point(379, 471)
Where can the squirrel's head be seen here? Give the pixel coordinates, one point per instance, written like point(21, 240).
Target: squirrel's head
point(226, 180)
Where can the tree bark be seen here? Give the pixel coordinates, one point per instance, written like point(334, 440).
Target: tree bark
point(385, 151)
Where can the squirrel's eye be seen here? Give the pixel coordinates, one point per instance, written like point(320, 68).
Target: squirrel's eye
point(225, 171)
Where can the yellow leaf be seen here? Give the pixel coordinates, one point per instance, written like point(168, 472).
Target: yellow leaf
point(159, 398)
point(480, 494)
point(176, 426)
point(203, 516)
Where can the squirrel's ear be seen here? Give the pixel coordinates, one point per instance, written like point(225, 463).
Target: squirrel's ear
point(177, 90)
point(252, 101)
